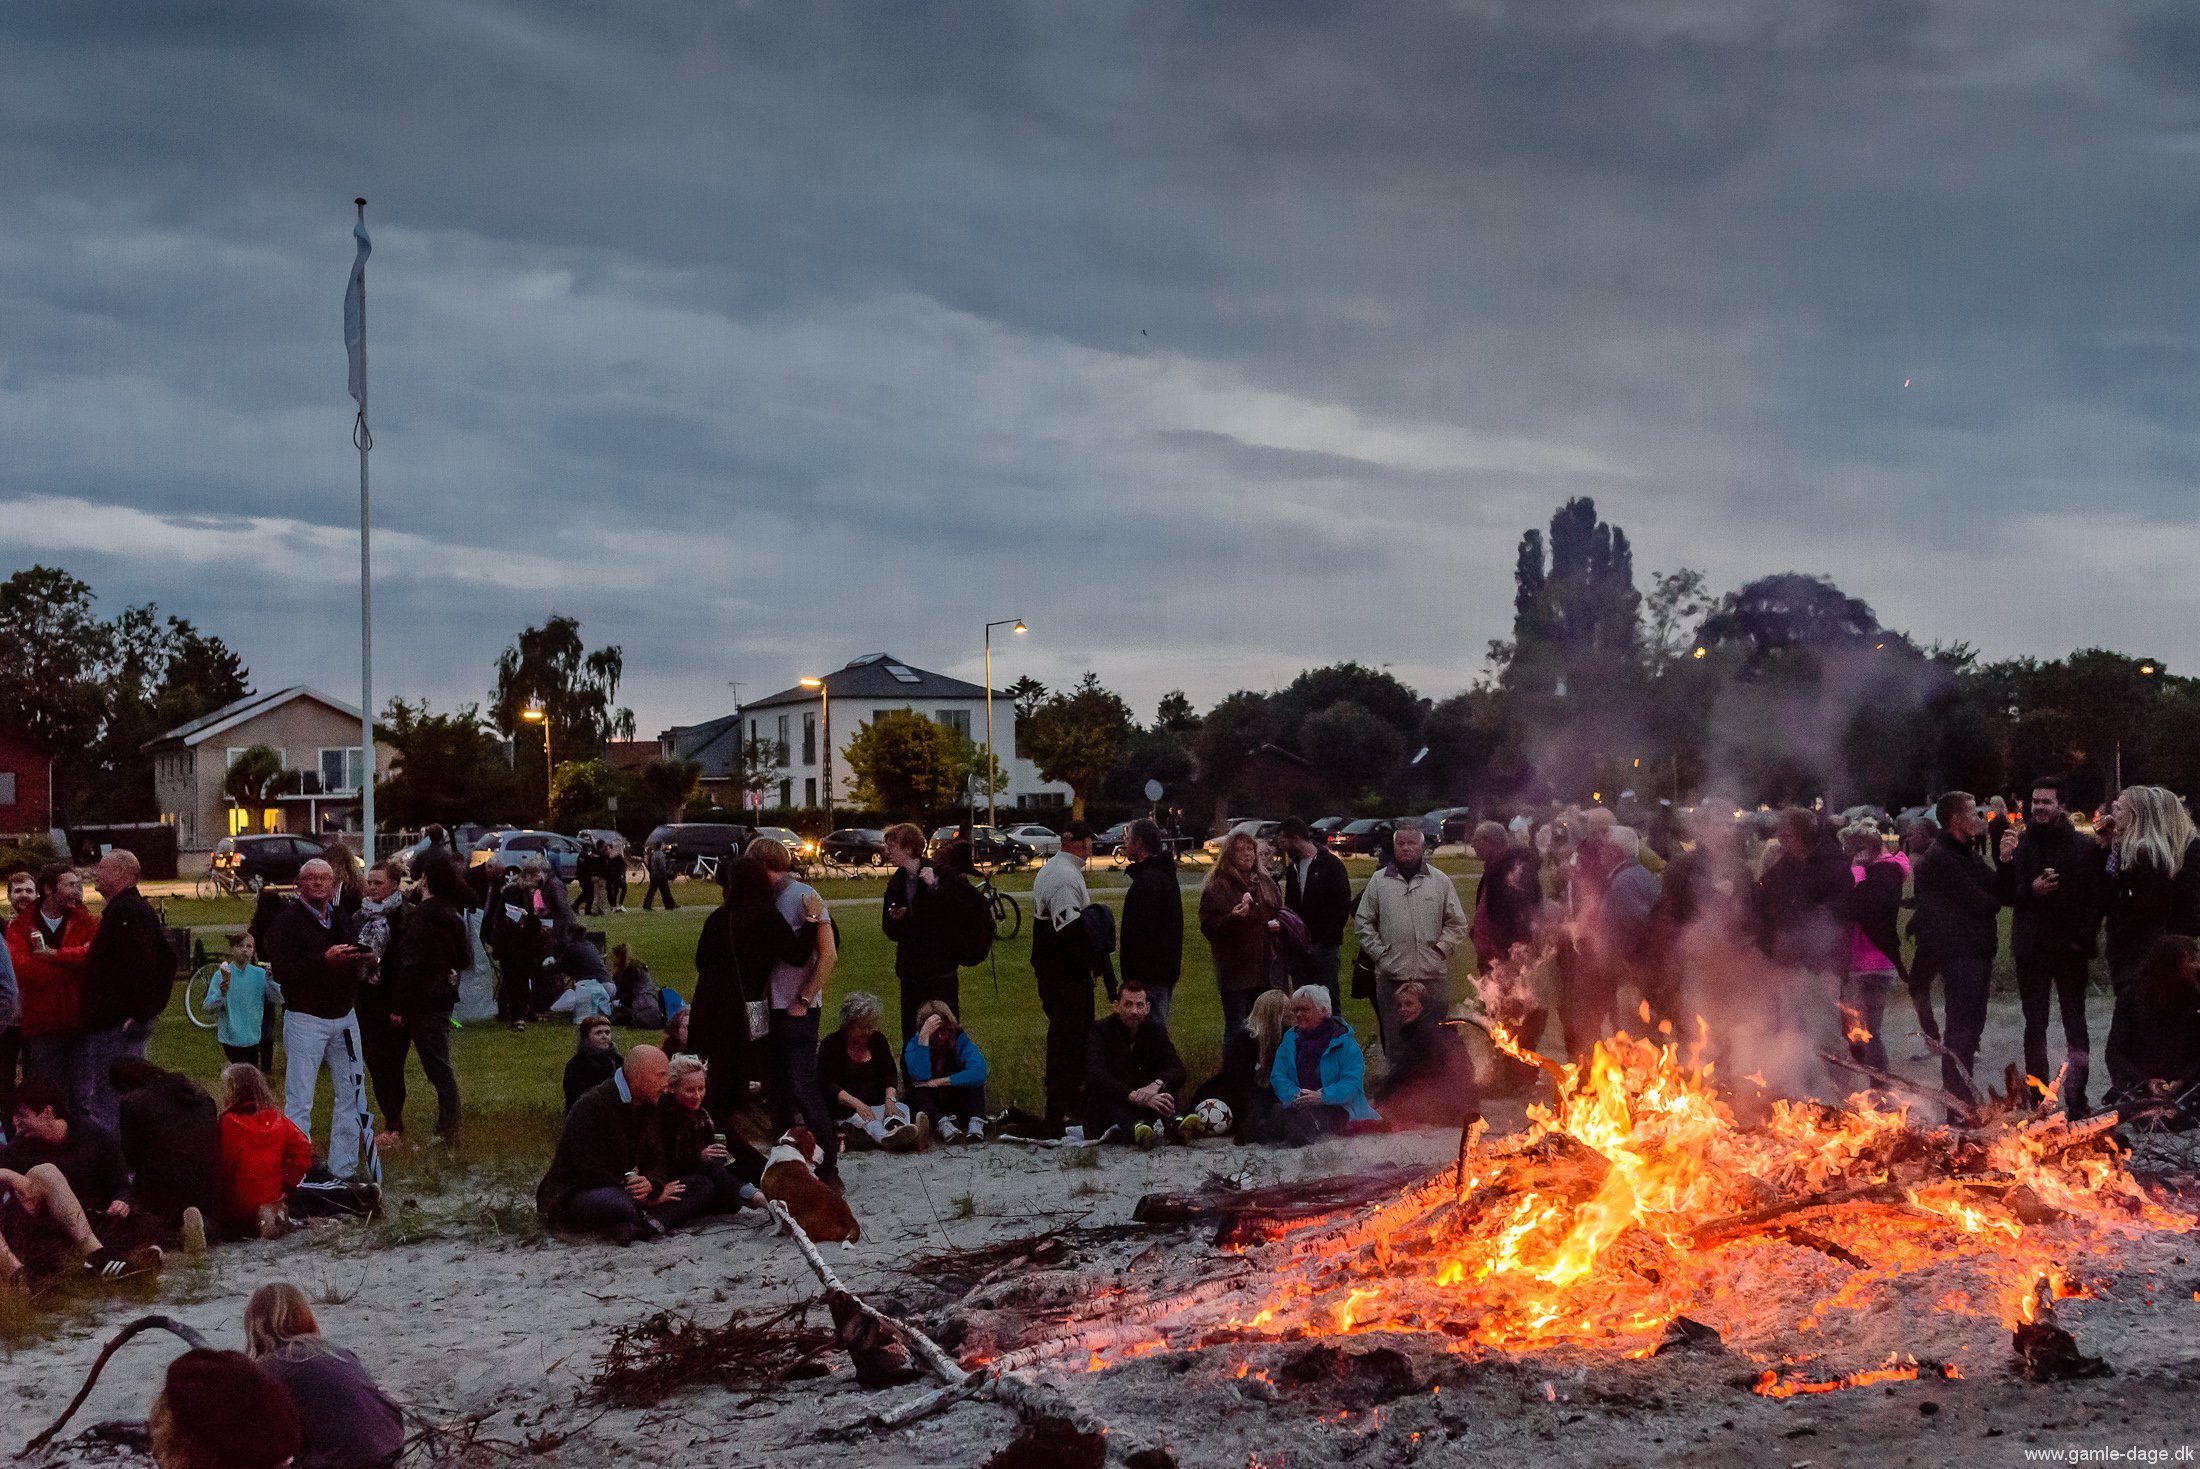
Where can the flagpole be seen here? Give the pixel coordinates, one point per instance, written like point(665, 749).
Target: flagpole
point(364, 441)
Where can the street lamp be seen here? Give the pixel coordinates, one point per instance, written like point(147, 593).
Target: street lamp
point(1018, 623)
point(825, 697)
point(535, 713)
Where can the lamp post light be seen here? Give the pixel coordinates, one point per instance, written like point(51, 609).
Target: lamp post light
point(537, 713)
point(825, 697)
point(1018, 623)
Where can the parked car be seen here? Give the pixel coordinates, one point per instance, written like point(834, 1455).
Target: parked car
point(989, 844)
point(857, 846)
point(611, 839)
point(514, 847)
point(1367, 837)
point(1453, 823)
point(1110, 842)
point(794, 841)
point(1327, 827)
point(687, 842)
point(257, 861)
point(1040, 839)
point(1263, 832)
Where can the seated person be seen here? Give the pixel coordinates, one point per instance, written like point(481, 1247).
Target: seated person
point(89, 1159)
point(595, 1057)
point(608, 1176)
point(269, 1175)
point(1319, 1076)
point(1429, 1083)
point(42, 1227)
point(946, 1074)
point(635, 998)
point(222, 1410)
point(2163, 1051)
point(1132, 1074)
point(587, 992)
point(862, 1087)
point(717, 1171)
point(676, 1031)
point(345, 1419)
point(1242, 1084)
point(172, 1142)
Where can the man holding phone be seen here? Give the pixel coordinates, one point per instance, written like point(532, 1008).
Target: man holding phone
point(313, 950)
point(2050, 876)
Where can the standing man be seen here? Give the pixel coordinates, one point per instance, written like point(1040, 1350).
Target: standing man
point(1317, 888)
point(49, 940)
point(127, 978)
point(1410, 924)
point(923, 906)
point(659, 868)
point(2051, 876)
point(1062, 962)
point(1956, 933)
point(312, 950)
point(1153, 918)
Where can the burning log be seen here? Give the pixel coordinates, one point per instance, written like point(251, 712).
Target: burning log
point(2046, 1352)
point(1285, 1201)
point(1888, 1081)
point(1740, 1226)
point(1771, 1384)
point(1685, 1335)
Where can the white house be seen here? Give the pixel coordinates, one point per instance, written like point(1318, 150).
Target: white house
point(793, 723)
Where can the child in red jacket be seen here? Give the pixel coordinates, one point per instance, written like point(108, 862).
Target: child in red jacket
point(264, 1155)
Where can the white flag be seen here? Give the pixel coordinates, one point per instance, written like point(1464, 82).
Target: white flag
point(355, 314)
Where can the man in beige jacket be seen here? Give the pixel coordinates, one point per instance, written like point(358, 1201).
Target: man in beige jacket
point(1410, 923)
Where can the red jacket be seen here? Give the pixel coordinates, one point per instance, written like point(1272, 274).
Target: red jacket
point(52, 983)
point(263, 1157)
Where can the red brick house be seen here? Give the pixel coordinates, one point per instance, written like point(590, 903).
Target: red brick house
point(26, 789)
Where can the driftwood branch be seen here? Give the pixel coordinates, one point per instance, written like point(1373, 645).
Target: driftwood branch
point(1966, 1111)
point(144, 1323)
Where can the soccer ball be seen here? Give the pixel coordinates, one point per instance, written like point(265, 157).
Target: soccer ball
point(1214, 1116)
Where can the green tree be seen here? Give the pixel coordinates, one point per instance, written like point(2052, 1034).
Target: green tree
point(252, 778)
point(1026, 695)
point(1677, 603)
point(577, 689)
point(1176, 714)
point(1077, 738)
point(909, 766)
point(658, 793)
point(1351, 747)
point(581, 792)
point(1370, 690)
point(448, 768)
point(55, 649)
point(1231, 732)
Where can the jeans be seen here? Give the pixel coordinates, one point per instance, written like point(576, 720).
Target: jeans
point(1864, 1009)
point(95, 1095)
point(2063, 976)
point(11, 1045)
point(1969, 978)
point(1298, 1126)
point(917, 993)
point(796, 1089)
point(1321, 966)
point(957, 1104)
point(1160, 997)
point(54, 1060)
point(311, 1042)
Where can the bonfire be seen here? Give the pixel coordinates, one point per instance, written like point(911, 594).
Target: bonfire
point(1638, 1214)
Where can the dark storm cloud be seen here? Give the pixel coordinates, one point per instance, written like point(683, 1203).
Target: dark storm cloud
point(1217, 340)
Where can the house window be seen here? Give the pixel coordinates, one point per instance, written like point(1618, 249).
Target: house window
point(809, 790)
point(783, 760)
point(809, 739)
point(957, 720)
point(7, 788)
point(342, 770)
point(786, 794)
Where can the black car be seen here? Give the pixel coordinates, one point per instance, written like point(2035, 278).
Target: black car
point(687, 842)
point(857, 846)
point(1453, 823)
point(1367, 837)
point(1326, 829)
point(990, 847)
point(258, 861)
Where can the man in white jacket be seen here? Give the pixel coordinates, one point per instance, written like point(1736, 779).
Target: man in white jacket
point(1062, 962)
point(1410, 924)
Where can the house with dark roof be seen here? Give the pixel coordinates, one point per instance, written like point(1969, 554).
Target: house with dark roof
point(793, 724)
point(715, 744)
point(317, 737)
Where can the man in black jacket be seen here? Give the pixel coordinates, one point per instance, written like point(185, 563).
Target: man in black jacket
point(1956, 932)
point(2051, 877)
point(1132, 1074)
point(172, 1142)
point(1152, 947)
point(314, 958)
point(1317, 888)
point(924, 905)
point(127, 977)
point(609, 1175)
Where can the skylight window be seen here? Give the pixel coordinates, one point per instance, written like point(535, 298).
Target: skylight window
point(902, 672)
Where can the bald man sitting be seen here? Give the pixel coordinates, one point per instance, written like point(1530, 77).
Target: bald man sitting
point(610, 1176)
point(313, 951)
point(128, 973)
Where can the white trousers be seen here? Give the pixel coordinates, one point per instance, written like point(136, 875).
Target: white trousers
point(309, 1043)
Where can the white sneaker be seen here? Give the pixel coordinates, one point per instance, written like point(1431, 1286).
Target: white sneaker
point(976, 1131)
point(1074, 1133)
point(948, 1131)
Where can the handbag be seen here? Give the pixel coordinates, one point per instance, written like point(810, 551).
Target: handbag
point(758, 1013)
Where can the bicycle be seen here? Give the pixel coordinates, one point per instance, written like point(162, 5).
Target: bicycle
point(224, 882)
point(1006, 912)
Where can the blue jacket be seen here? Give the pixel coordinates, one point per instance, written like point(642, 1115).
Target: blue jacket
point(1343, 1073)
point(241, 1003)
point(970, 1069)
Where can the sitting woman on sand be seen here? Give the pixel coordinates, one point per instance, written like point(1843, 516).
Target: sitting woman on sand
point(1242, 1084)
point(855, 1070)
point(716, 1169)
point(1430, 1084)
point(946, 1073)
point(346, 1421)
point(2164, 1049)
point(1319, 1076)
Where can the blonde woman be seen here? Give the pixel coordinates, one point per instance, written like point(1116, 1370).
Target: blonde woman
point(347, 1422)
point(1238, 911)
point(2153, 890)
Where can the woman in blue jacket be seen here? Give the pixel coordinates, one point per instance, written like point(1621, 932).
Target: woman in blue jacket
point(946, 1074)
point(1319, 1075)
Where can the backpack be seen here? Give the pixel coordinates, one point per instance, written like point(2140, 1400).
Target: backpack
point(971, 934)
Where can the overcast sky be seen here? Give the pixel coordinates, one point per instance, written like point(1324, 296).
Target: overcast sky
point(1216, 340)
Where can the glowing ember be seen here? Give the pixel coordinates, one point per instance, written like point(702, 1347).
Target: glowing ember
point(1772, 1385)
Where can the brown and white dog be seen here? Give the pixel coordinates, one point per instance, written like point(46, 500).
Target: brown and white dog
point(790, 1177)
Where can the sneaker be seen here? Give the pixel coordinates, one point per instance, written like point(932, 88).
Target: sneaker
point(274, 1221)
point(976, 1131)
point(949, 1132)
point(108, 1265)
point(923, 1129)
point(1190, 1128)
point(902, 1139)
point(1074, 1133)
point(194, 1231)
point(1147, 1136)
